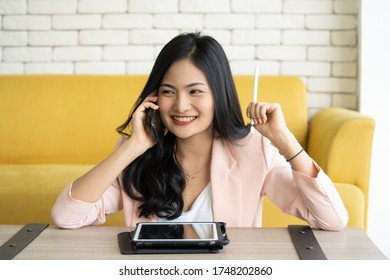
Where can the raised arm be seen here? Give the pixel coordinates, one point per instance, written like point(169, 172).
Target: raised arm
point(269, 121)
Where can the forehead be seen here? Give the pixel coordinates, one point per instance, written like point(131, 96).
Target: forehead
point(184, 72)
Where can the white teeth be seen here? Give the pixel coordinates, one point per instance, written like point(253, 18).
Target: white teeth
point(184, 119)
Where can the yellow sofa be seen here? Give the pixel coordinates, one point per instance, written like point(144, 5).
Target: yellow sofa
point(56, 127)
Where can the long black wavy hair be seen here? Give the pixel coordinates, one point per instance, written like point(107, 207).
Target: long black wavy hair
point(154, 178)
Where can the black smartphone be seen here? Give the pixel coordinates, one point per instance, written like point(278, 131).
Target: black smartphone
point(152, 234)
point(155, 127)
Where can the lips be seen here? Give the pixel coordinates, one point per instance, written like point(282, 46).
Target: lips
point(183, 120)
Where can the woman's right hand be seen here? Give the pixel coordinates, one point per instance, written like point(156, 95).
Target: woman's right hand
point(139, 135)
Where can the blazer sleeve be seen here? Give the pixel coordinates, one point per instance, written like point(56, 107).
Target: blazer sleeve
point(71, 213)
point(314, 200)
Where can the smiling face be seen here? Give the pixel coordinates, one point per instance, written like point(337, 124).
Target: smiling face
point(186, 100)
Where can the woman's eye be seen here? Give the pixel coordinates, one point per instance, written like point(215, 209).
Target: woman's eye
point(166, 91)
point(195, 91)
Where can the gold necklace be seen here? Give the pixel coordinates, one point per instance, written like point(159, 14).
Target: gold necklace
point(192, 176)
point(188, 176)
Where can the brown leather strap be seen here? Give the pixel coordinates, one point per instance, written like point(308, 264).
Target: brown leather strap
point(306, 243)
point(20, 240)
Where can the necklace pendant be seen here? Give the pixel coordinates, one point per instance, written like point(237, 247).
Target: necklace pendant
point(190, 176)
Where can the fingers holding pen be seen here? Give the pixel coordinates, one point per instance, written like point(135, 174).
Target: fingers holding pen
point(259, 112)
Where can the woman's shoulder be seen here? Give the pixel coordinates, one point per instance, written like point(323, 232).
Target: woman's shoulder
point(251, 140)
point(251, 143)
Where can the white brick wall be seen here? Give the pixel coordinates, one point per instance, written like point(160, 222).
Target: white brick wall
point(315, 40)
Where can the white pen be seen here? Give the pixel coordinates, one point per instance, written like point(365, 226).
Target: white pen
point(255, 89)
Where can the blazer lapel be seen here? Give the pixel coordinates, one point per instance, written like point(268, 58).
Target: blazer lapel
point(226, 185)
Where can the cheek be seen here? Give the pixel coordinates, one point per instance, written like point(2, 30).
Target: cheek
point(211, 114)
point(163, 108)
point(163, 105)
point(209, 107)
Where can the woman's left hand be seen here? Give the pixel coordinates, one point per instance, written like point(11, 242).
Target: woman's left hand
point(268, 119)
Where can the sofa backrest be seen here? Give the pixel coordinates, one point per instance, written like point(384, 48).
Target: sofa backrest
point(72, 118)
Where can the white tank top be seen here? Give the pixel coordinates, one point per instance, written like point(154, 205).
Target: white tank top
point(200, 210)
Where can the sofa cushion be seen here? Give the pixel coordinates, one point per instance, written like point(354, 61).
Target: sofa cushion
point(28, 191)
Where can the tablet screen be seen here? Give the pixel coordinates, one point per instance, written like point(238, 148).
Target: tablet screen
point(176, 231)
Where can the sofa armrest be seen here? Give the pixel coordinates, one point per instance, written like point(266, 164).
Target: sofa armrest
point(340, 141)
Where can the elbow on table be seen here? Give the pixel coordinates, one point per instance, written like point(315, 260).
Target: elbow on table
point(338, 223)
point(62, 223)
point(67, 221)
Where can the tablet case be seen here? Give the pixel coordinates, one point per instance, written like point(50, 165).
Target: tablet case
point(127, 246)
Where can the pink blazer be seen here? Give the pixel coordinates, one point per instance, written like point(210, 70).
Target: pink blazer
point(241, 175)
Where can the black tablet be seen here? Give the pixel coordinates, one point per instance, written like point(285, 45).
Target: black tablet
point(206, 234)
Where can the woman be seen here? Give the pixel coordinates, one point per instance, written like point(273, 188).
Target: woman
point(211, 167)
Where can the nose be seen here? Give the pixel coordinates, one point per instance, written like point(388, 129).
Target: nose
point(182, 103)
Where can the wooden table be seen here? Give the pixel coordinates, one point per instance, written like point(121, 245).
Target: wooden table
point(100, 242)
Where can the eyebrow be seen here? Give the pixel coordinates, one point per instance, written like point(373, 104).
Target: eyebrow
point(187, 86)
